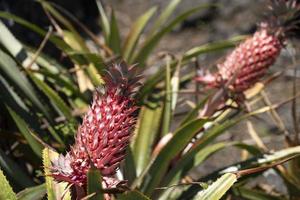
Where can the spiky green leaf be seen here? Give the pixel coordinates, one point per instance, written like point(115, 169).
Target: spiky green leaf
point(6, 191)
point(94, 184)
point(218, 188)
point(32, 193)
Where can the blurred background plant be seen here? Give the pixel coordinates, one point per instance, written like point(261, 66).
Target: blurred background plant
point(44, 94)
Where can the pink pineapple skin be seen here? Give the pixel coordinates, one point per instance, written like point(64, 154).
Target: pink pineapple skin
point(104, 134)
point(246, 64)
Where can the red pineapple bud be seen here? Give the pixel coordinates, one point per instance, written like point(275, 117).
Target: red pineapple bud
point(102, 138)
point(250, 60)
point(247, 63)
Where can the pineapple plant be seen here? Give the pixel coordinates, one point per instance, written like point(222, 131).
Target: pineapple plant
point(249, 62)
point(117, 152)
point(102, 138)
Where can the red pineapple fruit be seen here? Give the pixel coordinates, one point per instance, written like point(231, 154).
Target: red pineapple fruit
point(104, 134)
point(248, 62)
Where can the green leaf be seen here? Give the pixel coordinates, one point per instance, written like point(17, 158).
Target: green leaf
point(15, 48)
point(13, 100)
point(9, 41)
point(72, 38)
point(32, 193)
point(94, 181)
point(200, 156)
point(167, 114)
point(14, 172)
point(217, 189)
point(290, 181)
point(197, 155)
point(48, 63)
point(21, 124)
point(114, 37)
point(6, 192)
point(77, 39)
point(199, 148)
point(195, 111)
point(147, 129)
point(150, 44)
point(129, 168)
point(259, 160)
point(183, 167)
point(49, 180)
point(54, 39)
point(211, 47)
point(252, 194)
point(9, 67)
point(55, 190)
point(262, 160)
point(94, 58)
point(151, 82)
point(64, 84)
point(136, 195)
point(53, 96)
point(206, 139)
point(164, 16)
point(135, 33)
point(48, 7)
point(156, 169)
point(105, 25)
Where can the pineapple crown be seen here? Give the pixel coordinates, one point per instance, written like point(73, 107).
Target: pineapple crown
point(283, 19)
point(123, 78)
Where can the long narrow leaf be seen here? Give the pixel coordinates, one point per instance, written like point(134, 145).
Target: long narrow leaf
point(6, 191)
point(150, 44)
point(10, 98)
point(9, 41)
point(195, 111)
point(14, 47)
point(164, 16)
point(54, 190)
point(94, 184)
point(252, 194)
point(61, 44)
point(65, 85)
point(154, 173)
point(180, 169)
point(72, 40)
point(198, 156)
point(21, 124)
point(129, 168)
point(105, 25)
point(71, 29)
point(167, 114)
point(250, 163)
point(53, 96)
point(136, 195)
point(135, 33)
point(206, 48)
point(14, 172)
point(10, 69)
point(147, 128)
point(32, 193)
point(217, 189)
point(114, 37)
point(57, 41)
